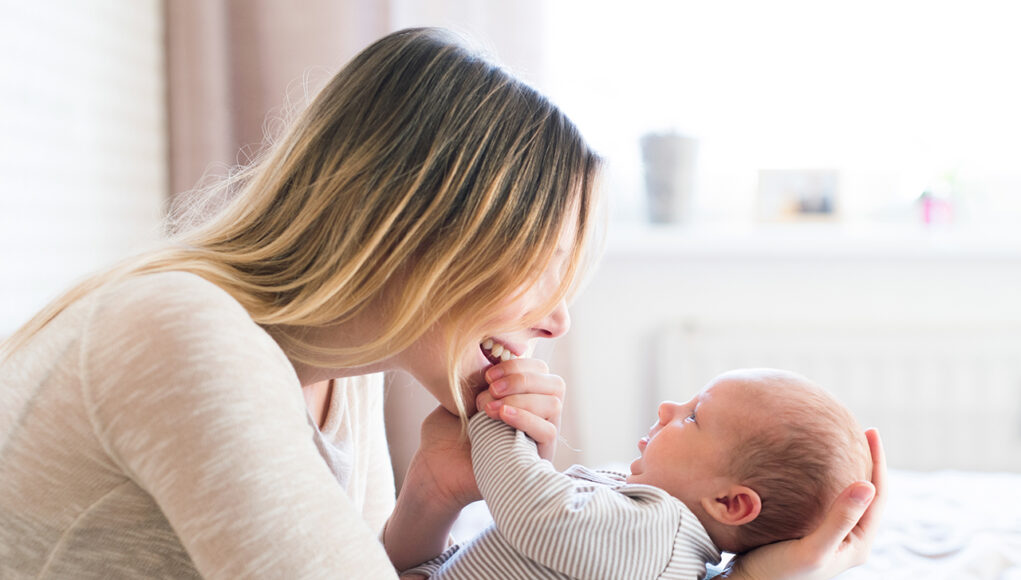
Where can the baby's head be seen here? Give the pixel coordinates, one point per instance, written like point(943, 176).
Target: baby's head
point(759, 455)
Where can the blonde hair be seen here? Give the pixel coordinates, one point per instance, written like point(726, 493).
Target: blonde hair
point(422, 170)
point(798, 459)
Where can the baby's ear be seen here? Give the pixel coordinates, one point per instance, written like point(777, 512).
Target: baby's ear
point(734, 506)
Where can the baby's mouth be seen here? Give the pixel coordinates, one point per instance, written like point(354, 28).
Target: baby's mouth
point(496, 352)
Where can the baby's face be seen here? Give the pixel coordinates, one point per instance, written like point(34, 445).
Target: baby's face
point(686, 451)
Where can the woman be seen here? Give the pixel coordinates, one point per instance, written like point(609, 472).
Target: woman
point(178, 415)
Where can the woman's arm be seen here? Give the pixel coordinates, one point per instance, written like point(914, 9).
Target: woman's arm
point(438, 484)
point(842, 541)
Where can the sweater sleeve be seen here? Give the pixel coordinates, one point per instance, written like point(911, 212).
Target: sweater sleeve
point(201, 409)
point(578, 528)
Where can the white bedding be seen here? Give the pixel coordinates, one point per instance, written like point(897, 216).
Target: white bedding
point(938, 526)
point(948, 524)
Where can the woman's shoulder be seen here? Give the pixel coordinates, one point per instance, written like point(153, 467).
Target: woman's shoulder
point(170, 288)
point(179, 323)
point(172, 308)
point(168, 297)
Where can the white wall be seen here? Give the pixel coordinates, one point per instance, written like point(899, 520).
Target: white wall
point(796, 275)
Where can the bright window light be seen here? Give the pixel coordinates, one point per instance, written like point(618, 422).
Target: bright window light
point(897, 97)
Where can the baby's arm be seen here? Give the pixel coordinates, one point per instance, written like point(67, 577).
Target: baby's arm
point(575, 528)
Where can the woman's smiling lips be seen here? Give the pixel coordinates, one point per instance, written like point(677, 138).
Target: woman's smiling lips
point(497, 352)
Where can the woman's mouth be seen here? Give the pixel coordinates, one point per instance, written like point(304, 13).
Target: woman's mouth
point(496, 352)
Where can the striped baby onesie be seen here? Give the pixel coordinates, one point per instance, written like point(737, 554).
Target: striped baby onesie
point(579, 524)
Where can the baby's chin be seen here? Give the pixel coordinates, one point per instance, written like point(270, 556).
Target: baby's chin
point(634, 472)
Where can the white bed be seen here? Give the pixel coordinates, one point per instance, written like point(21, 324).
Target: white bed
point(940, 525)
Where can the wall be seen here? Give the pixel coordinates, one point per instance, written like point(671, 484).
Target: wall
point(788, 276)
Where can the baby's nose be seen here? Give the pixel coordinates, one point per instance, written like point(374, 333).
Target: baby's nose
point(667, 409)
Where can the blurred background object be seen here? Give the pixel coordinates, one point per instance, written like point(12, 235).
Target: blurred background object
point(669, 161)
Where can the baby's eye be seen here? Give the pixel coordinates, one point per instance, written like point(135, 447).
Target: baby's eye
point(690, 418)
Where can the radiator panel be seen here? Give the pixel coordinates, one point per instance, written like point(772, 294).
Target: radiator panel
point(942, 397)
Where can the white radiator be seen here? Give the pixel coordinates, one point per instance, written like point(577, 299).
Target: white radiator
point(942, 397)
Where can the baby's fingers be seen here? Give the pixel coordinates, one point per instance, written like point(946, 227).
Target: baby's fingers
point(516, 365)
point(545, 407)
point(540, 430)
point(524, 375)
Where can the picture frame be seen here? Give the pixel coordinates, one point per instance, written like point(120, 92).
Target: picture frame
point(786, 195)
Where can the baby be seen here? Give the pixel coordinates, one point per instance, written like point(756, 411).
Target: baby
point(756, 457)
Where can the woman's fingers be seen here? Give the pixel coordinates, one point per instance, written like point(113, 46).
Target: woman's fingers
point(547, 407)
point(870, 520)
point(842, 525)
point(517, 365)
point(524, 375)
point(854, 517)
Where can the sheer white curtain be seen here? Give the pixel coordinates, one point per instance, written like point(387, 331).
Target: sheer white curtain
point(82, 142)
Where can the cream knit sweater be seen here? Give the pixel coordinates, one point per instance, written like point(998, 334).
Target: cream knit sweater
point(154, 430)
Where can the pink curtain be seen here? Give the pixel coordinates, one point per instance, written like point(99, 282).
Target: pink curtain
point(233, 64)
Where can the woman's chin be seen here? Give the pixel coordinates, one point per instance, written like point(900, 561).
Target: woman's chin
point(446, 399)
point(451, 407)
point(471, 390)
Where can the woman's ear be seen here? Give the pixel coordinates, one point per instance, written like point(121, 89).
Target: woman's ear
point(735, 506)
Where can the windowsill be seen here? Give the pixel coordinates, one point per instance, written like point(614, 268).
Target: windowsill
point(806, 240)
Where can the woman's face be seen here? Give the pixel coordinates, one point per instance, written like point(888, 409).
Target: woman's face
point(505, 338)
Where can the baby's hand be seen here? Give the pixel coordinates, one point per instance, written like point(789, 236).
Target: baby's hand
point(523, 394)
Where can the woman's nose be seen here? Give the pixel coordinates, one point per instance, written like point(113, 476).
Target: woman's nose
point(557, 323)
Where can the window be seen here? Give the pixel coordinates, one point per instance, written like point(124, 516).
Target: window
point(82, 143)
point(894, 98)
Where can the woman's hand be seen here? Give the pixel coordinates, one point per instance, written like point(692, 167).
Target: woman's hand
point(842, 541)
point(443, 462)
point(439, 482)
point(523, 394)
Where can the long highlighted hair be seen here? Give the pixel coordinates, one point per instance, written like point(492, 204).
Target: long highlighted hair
point(423, 173)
